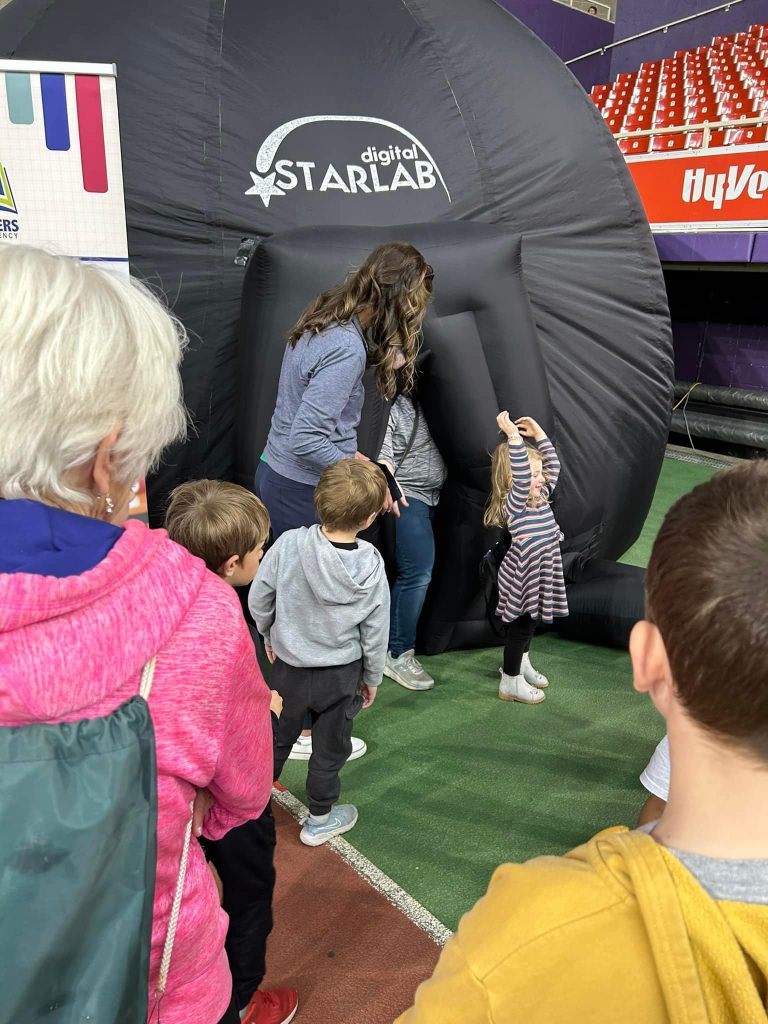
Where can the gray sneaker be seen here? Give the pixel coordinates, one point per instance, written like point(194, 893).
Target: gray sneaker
point(341, 819)
point(407, 671)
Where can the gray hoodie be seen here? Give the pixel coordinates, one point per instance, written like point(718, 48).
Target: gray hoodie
point(317, 605)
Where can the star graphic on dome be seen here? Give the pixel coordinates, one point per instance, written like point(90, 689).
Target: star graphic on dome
point(264, 187)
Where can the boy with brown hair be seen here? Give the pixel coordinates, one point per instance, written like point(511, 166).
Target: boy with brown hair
point(227, 526)
point(321, 603)
point(669, 923)
point(222, 523)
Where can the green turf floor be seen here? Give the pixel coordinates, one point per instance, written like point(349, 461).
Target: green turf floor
point(457, 781)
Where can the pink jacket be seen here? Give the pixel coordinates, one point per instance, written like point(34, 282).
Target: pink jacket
point(74, 648)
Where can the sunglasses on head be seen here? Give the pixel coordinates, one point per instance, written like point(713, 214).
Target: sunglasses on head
point(429, 277)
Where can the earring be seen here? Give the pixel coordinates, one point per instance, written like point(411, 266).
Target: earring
point(109, 505)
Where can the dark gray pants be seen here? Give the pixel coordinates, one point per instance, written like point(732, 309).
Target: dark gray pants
point(330, 697)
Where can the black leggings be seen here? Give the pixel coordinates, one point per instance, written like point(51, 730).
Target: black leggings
point(231, 1016)
point(517, 642)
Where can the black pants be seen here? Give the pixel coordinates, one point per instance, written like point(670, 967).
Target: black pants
point(517, 642)
point(331, 698)
point(231, 1016)
point(244, 861)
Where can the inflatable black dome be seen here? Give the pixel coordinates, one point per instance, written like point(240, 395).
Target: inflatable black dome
point(248, 120)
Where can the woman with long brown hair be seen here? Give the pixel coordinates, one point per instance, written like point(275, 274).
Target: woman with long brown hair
point(373, 318)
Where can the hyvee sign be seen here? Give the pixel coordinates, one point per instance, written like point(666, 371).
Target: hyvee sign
point(704, 190)
point(395, 159)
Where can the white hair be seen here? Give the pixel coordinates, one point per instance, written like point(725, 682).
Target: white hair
point(83, 352)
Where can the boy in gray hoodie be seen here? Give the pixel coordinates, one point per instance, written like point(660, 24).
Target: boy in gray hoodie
point(321, 603)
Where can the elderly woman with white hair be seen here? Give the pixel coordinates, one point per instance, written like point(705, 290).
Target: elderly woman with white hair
point(89, 396)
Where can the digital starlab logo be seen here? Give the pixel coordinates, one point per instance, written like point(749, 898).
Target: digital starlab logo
point(381, 169)
point(9, 224)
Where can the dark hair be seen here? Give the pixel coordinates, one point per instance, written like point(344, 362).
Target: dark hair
point(349, 493)
point(707, 591)
point(395, 283)
point(215, 520)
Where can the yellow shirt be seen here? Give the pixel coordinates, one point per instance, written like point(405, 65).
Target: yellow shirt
point(616, 932)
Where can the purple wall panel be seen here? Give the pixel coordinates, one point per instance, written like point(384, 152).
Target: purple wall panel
point(687, 338)
point(733, 355)
point(719, 353)
point(703, 247)
point(750, 368)
point(638, 15)
point(569, 33)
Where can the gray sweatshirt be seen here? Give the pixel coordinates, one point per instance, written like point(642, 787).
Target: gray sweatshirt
point(317, 605)
point(421, 473)
point(319, 403)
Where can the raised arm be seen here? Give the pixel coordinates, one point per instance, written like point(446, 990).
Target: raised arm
point(520, 465)
point(550, 462)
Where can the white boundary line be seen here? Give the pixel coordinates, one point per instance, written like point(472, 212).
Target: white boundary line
point(398, 897)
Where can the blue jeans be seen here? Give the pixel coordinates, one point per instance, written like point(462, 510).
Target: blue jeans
point(415, 555)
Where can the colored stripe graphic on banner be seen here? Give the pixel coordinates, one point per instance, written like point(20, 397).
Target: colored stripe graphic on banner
point(18, 89)
point(55, 111)
point(91, 127)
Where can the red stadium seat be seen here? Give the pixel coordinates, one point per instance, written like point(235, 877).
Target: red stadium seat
point(698, 112)
point(666, 143)
point(717, 138)
point(633, 146)
point(732, 109)
point(727, 80)
point(745, 136)
point(633, 122)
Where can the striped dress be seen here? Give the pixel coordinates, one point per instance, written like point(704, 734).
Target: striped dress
point(531, 575)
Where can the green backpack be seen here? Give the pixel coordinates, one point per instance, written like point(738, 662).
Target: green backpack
point(78, 852)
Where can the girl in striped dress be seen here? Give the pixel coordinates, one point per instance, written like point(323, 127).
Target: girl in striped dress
point(531, 585)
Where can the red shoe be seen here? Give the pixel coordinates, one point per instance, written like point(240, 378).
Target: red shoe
point(272, 1006)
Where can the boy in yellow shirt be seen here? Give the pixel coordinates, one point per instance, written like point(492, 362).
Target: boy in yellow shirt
point(668, 923)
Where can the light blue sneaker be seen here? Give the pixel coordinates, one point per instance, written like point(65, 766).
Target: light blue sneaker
point(341, 819)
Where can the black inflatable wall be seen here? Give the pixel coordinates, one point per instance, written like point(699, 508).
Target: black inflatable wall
point(244, 119)
point(482, 353)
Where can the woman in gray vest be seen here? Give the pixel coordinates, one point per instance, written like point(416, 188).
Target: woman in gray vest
point(411, 453)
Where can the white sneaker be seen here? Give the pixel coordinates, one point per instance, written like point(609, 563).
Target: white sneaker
point(531, 676)
point(516, 688)
point(302, 749)
point(407, 671)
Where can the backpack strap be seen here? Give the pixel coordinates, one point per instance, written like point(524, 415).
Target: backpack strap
point(173, 921)
point(147, 676)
